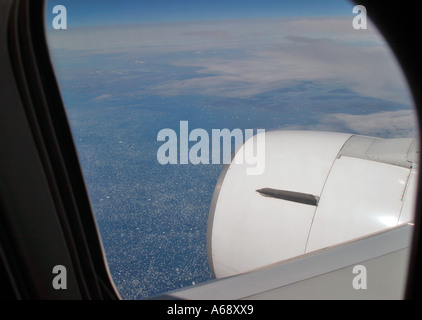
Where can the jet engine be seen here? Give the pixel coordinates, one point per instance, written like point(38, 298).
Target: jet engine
point(317, 190)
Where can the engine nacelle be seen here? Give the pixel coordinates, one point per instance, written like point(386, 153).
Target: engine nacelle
point(318, 189)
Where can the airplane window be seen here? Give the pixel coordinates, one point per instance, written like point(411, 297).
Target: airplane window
point(305, 96)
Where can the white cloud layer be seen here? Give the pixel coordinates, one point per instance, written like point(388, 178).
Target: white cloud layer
point(242, 58)
point(392, 124)
point(266, 54)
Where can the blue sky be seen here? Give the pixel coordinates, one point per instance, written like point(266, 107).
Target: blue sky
point(111, 12)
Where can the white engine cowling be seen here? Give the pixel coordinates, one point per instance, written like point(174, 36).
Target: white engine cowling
point(318, 189)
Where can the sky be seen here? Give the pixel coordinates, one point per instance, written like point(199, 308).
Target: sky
point(239, 48)
point(256, 47)
point(83, 13)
